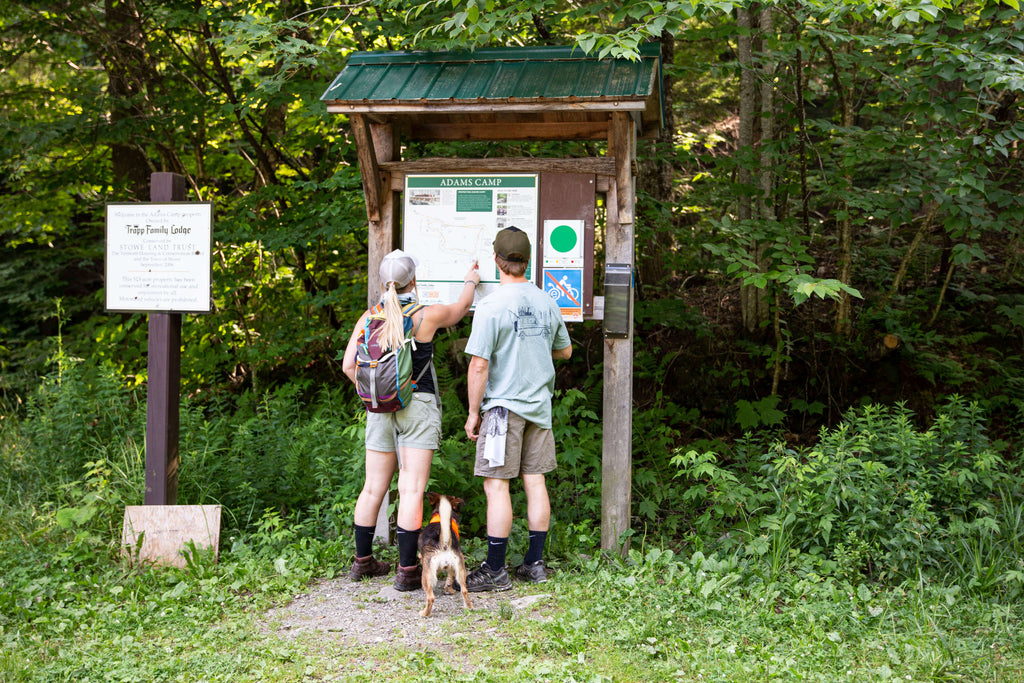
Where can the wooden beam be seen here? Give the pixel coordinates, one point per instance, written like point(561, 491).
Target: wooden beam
point(617, 430)
point(381, 239)
point(622, 145)
point(602, 166)
point(163, 381)
point(367, 165)
point(383, 233)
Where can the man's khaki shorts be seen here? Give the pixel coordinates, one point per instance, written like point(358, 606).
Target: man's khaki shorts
point(529, 449)
point(418, 425)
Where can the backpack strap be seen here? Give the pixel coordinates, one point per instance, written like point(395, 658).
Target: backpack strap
point(408, 310)
point(375, 313)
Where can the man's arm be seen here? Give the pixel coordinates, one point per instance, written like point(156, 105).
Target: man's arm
point(477, 384)
point(561, 338)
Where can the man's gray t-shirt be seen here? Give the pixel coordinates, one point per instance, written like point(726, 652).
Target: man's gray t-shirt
point(515, 329)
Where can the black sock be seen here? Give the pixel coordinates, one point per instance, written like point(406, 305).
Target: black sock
point(496, 548)
point(364, 540)
point(407, 546)
point(536, 551)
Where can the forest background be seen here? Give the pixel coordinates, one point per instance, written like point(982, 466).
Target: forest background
point(829, 315)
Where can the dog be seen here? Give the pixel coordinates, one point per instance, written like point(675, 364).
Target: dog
point(439, 549)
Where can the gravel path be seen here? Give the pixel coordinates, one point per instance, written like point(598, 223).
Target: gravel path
point(372, 612)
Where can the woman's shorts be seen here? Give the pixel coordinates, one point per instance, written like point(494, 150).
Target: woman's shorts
point(418, 425)
point(529, 449)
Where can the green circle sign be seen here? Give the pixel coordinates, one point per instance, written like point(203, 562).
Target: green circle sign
point(563, 239)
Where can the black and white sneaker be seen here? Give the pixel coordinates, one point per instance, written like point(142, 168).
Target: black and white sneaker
point(535, 572)
point(485, 579)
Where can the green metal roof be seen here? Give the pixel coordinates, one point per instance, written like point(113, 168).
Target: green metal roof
point(495, 73)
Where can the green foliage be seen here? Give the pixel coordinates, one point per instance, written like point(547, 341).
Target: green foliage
point(68, 603)
point(876, 497)
point(781, 260)
point(875, 541)
point(713, 616)
point(76, 414)
point(764, 413)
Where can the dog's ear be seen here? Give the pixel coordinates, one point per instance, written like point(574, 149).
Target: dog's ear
point(456, 502)
point(433, 499)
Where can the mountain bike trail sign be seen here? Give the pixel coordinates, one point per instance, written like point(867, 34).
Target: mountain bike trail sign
point(565, 286)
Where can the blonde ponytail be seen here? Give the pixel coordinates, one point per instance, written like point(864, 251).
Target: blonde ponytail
point(392, 332)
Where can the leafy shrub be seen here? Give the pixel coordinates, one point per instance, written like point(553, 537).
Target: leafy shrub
point(75, 413)
point(876, 497)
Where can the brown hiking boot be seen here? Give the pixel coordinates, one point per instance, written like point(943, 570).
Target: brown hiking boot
point(408, 579)
point(368, 566)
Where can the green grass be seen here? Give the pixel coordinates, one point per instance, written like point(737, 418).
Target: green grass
point(823, 565)
point(655, 617)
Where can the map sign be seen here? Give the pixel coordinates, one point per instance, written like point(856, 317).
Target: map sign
point(451, 220)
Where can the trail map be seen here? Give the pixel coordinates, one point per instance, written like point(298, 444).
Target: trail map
point(451, 220)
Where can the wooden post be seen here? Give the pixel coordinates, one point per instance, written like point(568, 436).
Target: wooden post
point(617, 430)
point(163, 387)
point(383, 236)
point(376, 143)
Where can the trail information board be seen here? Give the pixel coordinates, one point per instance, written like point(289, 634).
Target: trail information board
point(451, 220)
point(158, 257)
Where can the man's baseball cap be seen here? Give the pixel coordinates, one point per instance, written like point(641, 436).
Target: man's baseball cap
point(398, 267)
point(512, 244)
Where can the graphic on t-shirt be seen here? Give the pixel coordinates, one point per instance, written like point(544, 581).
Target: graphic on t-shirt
point(526, 323)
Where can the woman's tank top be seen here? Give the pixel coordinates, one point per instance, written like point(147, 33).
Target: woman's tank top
point(421, 356)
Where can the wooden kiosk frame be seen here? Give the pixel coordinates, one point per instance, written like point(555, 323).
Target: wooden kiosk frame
point(514, 94)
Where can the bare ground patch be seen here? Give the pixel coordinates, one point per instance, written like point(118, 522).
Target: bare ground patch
point(372, 613)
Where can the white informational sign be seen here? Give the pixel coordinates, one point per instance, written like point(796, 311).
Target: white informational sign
point(158, 257)
point(563, 244)
point(451, 220)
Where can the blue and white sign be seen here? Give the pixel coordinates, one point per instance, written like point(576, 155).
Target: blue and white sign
point(565, 286)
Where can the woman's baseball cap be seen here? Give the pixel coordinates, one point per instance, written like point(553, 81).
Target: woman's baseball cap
point(512, 244)
point(398, 267)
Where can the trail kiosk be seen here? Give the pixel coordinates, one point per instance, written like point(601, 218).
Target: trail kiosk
point(455, 206)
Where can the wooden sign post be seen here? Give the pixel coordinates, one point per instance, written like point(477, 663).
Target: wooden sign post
point(158, 261)
point(163, 388)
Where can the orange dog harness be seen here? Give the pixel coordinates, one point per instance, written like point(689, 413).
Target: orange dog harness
point(437, 518)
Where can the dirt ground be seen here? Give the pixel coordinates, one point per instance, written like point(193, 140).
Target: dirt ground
point(371, 612)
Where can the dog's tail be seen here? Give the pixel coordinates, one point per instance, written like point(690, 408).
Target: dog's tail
point(444, 511)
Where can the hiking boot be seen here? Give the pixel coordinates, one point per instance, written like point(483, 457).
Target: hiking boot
point(535, 572)
point(367, 566)
point(409, 579)
point(486, 579)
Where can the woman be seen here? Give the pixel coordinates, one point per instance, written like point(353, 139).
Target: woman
point(408, 438)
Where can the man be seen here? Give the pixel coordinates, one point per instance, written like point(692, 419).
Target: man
point(517, 332)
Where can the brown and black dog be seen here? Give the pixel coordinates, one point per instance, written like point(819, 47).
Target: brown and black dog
point(439, 549)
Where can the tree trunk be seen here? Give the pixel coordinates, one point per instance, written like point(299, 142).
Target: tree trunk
point(123, 56)
point(844, 226)
point(754, 302)
point(654, 178)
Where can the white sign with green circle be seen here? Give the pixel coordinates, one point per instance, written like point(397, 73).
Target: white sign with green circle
point(563, 243)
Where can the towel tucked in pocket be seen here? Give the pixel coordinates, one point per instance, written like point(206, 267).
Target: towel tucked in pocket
point(495, 429)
